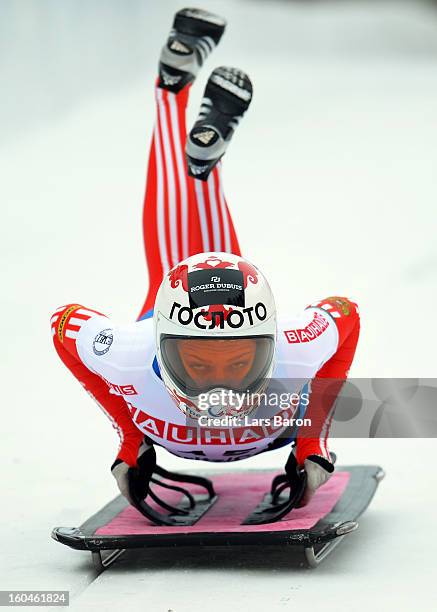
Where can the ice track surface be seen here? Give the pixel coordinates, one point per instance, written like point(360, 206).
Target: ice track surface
point(331, 180)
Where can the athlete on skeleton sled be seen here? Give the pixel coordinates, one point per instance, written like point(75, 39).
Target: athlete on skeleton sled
point(207, 343)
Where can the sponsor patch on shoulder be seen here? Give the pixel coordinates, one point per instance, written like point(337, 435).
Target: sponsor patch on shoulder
point(310, 332)
point(102, 342)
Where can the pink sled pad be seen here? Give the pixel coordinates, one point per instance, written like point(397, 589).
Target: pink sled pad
point(238, 496)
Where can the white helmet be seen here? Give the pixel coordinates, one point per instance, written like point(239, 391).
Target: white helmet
point(215, 331)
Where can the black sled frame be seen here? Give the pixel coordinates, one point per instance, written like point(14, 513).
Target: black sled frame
point(310, 546)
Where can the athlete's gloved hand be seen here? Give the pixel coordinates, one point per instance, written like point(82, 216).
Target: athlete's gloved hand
point(318, 470)
point(133, 482)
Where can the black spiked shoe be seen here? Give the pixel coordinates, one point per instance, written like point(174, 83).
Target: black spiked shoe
point(227, 96)
point(194, 35)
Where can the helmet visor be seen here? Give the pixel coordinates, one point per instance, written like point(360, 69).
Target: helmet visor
point(198, 365)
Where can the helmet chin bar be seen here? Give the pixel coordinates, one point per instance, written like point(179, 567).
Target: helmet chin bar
point(229, 401)
point(193, 405)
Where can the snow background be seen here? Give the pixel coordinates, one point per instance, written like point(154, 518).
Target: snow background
point(332, 184)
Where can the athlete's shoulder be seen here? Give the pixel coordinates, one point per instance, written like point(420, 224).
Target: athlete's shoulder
point(99, 342)
point(121, 346)
point(314, 335)
point(308, 337)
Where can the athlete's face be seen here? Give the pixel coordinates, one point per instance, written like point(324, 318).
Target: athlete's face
point(219, 363)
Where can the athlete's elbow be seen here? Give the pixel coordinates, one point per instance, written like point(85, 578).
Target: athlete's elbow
point(339, 307)
point(59, 318)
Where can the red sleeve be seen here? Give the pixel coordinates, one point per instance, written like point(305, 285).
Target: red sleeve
point(66, 322)
point(329, 380)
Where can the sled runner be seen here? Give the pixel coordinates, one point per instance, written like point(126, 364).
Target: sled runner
point(231, 512)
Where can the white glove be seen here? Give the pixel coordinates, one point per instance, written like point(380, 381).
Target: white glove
point(134, 481)
point(318, 470)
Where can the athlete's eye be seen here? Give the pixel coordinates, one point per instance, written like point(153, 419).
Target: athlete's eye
point(238, 365)
point(198, 367)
